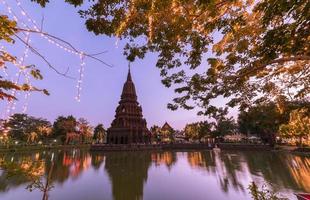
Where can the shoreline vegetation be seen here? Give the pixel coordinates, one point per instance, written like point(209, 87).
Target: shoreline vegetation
point(21, 148)
point(159, 147)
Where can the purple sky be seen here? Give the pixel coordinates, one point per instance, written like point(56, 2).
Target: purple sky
point(101, 85)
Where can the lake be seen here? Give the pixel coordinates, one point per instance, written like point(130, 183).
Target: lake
point(162, 175)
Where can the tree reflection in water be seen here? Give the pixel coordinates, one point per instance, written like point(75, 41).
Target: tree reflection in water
point(226, 167)
point(128, 171)
point(232, 168)
point(28, 169)
point(39, 171)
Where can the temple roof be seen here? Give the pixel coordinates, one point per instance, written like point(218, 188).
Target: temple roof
point(167, 127)
point(129, 90)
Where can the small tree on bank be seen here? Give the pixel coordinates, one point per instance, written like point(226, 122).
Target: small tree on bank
point(224, 126)
point(27, 128)
point(197, 130)
point(298, 125)
point(64, 125)
point(99, 134)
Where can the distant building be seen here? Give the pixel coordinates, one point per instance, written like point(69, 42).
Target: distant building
point(167, 133)
point(129, 126)
point(167, 127)
point(179, 137)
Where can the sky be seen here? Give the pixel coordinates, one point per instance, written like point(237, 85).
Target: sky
point(102, 85)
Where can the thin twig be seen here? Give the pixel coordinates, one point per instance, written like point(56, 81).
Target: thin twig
point(43, 58)
point(92, 56)
point(42, 22)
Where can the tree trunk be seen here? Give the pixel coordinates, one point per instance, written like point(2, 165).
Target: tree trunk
point(300, 141)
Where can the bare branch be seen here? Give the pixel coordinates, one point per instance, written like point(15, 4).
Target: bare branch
point(92, 56)
point(43, 58)
point(42, 22)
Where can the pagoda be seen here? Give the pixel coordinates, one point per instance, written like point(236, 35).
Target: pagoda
point(129, 126)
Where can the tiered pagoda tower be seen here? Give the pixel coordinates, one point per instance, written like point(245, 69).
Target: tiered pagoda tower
point(129, 126)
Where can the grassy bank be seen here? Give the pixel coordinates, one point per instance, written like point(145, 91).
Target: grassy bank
point(17, 148)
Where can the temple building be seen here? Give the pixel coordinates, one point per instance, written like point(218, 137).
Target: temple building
point(129, 126)
point(167, 127)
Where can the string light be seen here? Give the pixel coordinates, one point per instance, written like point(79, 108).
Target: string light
point(49, 39)
point(20, 64)
point(6, 75)
point(27, 95)
point(59, 45)
point(53, 41)
point(79, 82)
point(2, 48)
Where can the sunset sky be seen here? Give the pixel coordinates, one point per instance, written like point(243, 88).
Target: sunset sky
point(102, 85)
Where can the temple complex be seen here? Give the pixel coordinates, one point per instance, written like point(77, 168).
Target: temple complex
point(129, 126)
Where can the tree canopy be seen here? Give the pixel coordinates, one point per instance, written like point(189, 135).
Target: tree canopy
point(256, 51)
point(24, 127)
point(63, 125)
point(298, 125)
point(245, 51)
point(224, 126)
point(99, 133)
point(197, 130)
point(264, 120)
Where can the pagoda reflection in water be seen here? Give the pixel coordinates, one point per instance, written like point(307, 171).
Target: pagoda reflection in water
point(128, 172)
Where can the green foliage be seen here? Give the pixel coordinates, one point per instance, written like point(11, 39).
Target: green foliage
point(224, 126)
point(22, 127)
point(263, 193)
point(257, 51)
point(262, 120)
point(298, 125)
point(99, 133)
point(265, 119)
point(260, 50)
point(8, 28)
point(36, 74)
point(198, 130)
point(85, 129)
point(63, 125)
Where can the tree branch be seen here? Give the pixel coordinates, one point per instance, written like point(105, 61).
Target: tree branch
point(92, 56)
point(279, 60)
point(42, 57)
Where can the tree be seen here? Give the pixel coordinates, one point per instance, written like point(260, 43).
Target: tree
point(264, 119)
point(156, 135)
point(224, 126)
point(260, 50)
point(45, 131)
point(298, 125)
point(197, 130)
point(26, 128)
point(63, 125)
point(99, 133)
point(85, 129)
point(204, 129)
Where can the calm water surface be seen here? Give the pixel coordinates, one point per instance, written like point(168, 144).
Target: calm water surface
point(82, 175)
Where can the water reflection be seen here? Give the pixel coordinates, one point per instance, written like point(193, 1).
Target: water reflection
point(167, 158)
point(129, 172)
point(232, 169)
